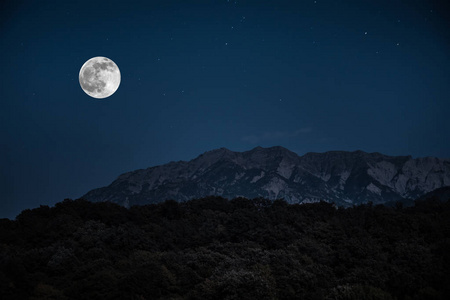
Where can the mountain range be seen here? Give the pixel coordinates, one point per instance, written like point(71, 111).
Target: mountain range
point(345, 178)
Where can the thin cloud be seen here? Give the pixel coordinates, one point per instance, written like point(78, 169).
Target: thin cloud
point(275, 135)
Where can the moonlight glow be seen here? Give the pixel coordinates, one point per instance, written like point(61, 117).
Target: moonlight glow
point(99, 77)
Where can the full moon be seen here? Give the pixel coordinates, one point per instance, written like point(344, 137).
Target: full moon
point(99, 77)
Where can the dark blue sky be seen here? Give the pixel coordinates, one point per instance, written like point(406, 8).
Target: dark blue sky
point(311, 76)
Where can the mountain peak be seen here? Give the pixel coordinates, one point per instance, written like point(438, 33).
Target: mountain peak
point(222, 149)
point(278, 148)
point(275, 150)
point(343, 177)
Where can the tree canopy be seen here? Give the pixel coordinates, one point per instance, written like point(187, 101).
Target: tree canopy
point(213, 248)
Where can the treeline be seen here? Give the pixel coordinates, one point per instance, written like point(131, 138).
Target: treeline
point(213, 248)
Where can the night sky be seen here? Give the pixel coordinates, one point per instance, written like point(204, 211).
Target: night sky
point(311, 76)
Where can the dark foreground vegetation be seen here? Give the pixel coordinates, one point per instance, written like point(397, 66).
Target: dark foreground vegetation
point(217, 249)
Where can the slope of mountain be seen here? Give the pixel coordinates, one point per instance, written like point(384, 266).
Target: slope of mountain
point(345, 178)
point(441, 194)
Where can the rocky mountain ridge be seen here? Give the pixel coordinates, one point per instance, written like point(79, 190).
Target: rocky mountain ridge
point(345, 178)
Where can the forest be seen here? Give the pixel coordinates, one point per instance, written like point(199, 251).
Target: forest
point(214, 248)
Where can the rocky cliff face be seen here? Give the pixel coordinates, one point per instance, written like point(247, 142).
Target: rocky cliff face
point(345, 178)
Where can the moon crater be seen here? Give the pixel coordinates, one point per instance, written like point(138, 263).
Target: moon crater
point(99, 77)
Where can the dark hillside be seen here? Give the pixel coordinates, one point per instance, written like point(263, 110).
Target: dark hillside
point(213, 248)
